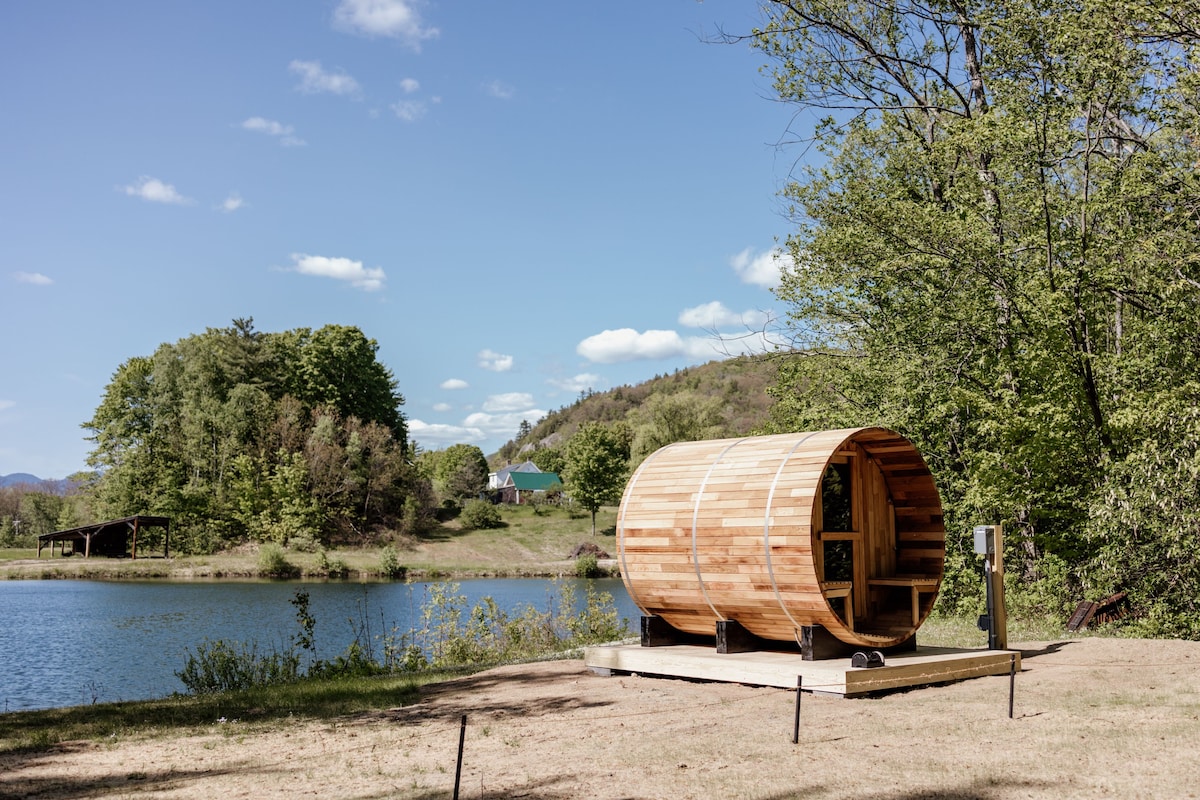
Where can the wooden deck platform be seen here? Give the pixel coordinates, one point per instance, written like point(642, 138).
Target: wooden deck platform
point(922, 667)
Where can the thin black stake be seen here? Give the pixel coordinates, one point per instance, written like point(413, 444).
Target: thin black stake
point(462, 735)
point(1012, 683)
point(796, 728)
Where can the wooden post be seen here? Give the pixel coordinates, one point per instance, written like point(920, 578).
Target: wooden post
point(462, 736)
point(135, 531)
point(1000, 623)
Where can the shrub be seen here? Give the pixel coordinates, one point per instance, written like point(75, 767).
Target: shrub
point(331, 568)
point(480, 515)
point(588, 566)
point(222, 666)
point(389, 563)
point(272, 563)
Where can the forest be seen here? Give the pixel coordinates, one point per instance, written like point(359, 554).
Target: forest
point(995, 252)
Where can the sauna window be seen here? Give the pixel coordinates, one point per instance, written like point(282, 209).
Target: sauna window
point(836, 499)
point(839, 561)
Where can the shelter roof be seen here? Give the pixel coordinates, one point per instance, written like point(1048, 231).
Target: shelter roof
point(124, 524)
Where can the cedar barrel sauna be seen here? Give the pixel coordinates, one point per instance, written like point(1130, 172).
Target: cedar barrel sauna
point(839, 529)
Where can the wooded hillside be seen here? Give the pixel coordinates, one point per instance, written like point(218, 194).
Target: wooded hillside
point(720, 398)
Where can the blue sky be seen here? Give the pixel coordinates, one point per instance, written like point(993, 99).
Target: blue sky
point(517, 201)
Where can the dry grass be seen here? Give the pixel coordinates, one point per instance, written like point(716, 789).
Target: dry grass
point(530, 544)
point(1094, 718)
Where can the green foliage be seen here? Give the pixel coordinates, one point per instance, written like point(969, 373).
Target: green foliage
point(485, 635)
point(222, 666)
point(549, 459)
point(272, 563)
point(389, 563)
point(291, 437)
point(450, 635)
point(480, 515)
point(588, 566)
point(997, 259)
point(331, 568)
point(683, 416)
point(596, 466)
point(458, 473)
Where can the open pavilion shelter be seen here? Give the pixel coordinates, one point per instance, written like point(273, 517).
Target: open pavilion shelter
point(111, 538)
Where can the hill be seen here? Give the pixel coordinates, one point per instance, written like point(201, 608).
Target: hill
point(19, 479)
point(738, 384)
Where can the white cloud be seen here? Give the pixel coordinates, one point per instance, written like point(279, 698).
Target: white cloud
point(579, 383)
point(496, 362)
point(626, 344)
point(5, 405)
point(155, 191)
point(232, 203)
point(315, 80)
point(341, 269)
point(408, 110)
point(442, 407)
point(509, 401)
point(715, 315)
point(454, 383)
point(440, 434)
point(34, 278)
point(395, 19)
point(410, 85)
point(503, 425)
point(269, 127)
point(763, 269)
point(500, 90)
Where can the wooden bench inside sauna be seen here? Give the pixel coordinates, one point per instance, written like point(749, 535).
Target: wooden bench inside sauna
point(830, 540)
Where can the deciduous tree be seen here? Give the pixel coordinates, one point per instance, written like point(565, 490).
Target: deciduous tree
point(595, 469)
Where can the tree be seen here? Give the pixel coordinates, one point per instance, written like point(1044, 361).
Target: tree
point(461, 473)
point(338, 368)
point(997, 254)
point(595, 469)
point(549, 459)
point(664, 419)
point(233, 433)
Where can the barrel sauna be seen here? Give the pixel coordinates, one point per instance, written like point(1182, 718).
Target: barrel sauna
point(840, 529)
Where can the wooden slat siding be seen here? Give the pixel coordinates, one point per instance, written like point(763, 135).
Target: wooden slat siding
point(696, 542)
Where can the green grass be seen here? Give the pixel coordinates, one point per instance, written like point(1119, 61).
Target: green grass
point(15, 553)
point(534, 542)
point(260, 707)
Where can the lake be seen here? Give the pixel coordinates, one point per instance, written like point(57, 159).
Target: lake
point(66, 643)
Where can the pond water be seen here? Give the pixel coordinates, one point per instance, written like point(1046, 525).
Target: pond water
point(65, 643)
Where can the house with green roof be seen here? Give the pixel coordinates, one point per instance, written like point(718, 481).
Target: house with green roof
point(519, 487)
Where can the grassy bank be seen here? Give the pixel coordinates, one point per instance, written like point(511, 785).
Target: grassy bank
point(531, 543)
point(256, 709)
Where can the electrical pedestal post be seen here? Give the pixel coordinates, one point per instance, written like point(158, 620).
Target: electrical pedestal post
point(989, 542)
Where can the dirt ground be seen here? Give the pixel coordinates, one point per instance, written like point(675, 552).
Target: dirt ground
point(1093, 718)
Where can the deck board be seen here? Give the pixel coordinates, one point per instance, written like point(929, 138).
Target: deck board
point(925, 666)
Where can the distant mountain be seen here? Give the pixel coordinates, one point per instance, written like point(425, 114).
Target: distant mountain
point(18, 478)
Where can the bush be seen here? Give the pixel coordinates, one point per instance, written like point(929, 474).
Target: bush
point(331, 568)
point(588, 566)
point(224, 667)
point(389, 563)
point(272, 563)
point(480, 515)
